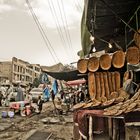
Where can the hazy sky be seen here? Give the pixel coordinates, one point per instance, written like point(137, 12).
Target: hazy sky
point(20, 36)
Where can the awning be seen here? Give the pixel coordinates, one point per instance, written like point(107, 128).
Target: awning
point(106, 20)
point(76, 82)
point(66, 76)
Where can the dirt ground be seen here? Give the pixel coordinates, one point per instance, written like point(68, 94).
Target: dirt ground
point(44, 126)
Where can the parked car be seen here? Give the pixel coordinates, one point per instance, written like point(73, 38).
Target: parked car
point(35, 93)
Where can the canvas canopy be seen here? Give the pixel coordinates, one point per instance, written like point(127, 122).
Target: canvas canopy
point(66, 76)
point(106, 21)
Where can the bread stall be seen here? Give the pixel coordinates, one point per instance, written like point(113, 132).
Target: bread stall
point(113, 75)
point(114, 90)
point(114, 95)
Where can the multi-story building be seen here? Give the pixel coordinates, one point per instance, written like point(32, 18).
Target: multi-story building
point(5, 71)
point(18, 70)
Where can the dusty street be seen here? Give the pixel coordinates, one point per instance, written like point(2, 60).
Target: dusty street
point(44, 126)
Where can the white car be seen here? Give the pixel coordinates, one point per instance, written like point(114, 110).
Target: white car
point(35, 93)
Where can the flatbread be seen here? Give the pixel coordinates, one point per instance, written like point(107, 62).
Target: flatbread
point(91, 85)
point(105, 61)
point(109, 102)
point(133, 55)
point(88, 105)
point(119, 99)
point(119, 113)
point(78, 106)
point(118, 59)
point(110, 112)
point(93, 64)
point(82, 65)
point(137, 38)
point(114, 95)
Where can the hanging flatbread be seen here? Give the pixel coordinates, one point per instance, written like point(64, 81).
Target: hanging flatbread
point(137, 38)
point(98, 86)
point(106, 84)
point(82, 65)
point(93, 64)
point(133, 55)
point(110, 81)
point(102, 84)
point(105, 61)
point(91, 85)
point(103, 98)
point(118, 59)
point(117, 80)
point(113, 81)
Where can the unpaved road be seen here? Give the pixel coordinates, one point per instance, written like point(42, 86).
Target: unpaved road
point(39, 126)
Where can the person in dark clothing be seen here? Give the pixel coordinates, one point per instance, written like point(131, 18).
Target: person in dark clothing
point(1, 96)
point(52, 95)
point(40, 104)
point(82, 96)
point(62, 94)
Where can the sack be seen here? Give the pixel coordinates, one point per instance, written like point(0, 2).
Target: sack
point(128, 86)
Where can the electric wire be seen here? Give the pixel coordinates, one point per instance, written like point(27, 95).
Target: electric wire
point(67, 37)
point(39, 27)
point(66, 25)
point(52, 9)
point(78, 2)
point(78, 6)
point(43, 34)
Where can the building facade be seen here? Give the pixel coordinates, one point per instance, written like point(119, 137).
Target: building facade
point(18, 70)
point(5, 71)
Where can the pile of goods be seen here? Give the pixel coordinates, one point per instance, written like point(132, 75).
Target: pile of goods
point(106, 61)
point(130, 105)
point(117, 59)
point(107, 89)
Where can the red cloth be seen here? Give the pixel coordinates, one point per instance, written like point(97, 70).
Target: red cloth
point(17, 105)
point(81, 118)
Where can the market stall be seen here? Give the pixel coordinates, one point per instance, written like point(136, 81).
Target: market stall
point(114, 94)
point(112, 66)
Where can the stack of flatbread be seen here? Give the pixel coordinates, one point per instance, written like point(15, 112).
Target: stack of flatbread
point(129, 105)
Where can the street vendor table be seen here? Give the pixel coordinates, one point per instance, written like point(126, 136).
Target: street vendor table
point(17, 106)
point(84, 120)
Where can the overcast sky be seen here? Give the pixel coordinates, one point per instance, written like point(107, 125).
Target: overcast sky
point(20, 36)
